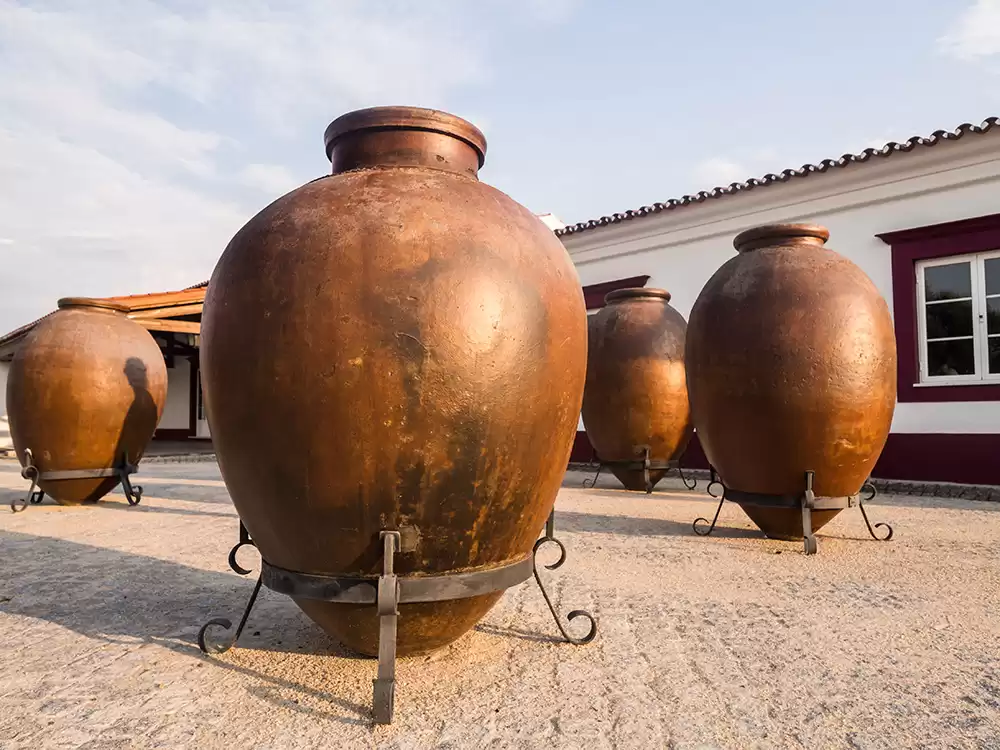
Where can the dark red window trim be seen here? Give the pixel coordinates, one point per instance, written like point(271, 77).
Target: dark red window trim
point(593, 295)
point(923, 243)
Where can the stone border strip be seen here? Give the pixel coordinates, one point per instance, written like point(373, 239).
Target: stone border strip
point(983, 492)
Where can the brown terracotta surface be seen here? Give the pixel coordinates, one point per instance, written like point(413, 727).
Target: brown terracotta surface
point(636, 393)
point(395, 345)
point(85, 389)
point(791, 364)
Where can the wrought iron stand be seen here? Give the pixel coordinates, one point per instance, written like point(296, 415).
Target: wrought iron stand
point(388, 591)
point(807, 501)
point(133, 492)
point(647, 465)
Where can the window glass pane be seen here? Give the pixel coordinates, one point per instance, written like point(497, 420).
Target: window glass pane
point(995, 355)
point(992, 275)
point(949, 319)
point(948, 282)
point(992, 315)
point(951, 358)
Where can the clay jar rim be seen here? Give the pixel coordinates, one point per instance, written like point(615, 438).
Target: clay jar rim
point(777, 235)
point(90, 302)
point(406, 118)
point(638, 292)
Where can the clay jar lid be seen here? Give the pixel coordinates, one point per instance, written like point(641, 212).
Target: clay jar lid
point(406, 118)
point(636, 293)
point(90, 302)
point(779, 235)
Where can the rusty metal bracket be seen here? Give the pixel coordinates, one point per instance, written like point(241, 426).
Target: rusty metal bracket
point(387, 604)
point(133, 493)
point(645, 463)
point(807, 501)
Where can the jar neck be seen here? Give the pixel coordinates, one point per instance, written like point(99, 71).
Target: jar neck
point(405, 137)
point(781, 235)
point(403, 148)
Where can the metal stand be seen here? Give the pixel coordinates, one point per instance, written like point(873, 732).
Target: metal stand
point(647, 465)
point(133, 493)
point(807, 501)
point(387, 592)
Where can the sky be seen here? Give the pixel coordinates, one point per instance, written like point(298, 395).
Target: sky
point(137, 136)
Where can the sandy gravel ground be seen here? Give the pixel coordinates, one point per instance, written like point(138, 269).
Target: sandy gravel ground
point(727, 642)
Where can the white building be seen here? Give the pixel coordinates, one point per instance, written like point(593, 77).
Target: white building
point(916, 216)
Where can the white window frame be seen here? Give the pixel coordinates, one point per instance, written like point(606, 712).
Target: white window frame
point(980, 335)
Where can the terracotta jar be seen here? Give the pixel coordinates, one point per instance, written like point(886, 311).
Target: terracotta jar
point(394, 346)
point(636, 392)
point(791, 367)
point(85, 391)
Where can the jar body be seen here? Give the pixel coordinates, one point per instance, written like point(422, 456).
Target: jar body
point(85, 391)
point(791, 359)
point(388, 348)
point(636, 391)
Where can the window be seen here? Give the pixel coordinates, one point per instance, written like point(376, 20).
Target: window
point(958, 319)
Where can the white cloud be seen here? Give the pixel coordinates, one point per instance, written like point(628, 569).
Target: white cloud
point(719, 172)
point(273, 179)
point(975, 33)
point(127, 123)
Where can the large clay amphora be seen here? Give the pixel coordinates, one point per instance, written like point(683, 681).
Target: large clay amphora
point(85, 391)
point(791, 367)
point(635, 402)
point(395, 346)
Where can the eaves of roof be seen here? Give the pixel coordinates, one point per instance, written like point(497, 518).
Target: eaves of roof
point(805, 170)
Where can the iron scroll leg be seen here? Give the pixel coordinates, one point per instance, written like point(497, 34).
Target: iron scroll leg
point(592, 482)
point(387, 602)
point(864, 514)
point(690, 484)
point(550, 537)
point(713, 480)
point(244, 541)
point(30, 471)
point(133, 492)
point(225, 623)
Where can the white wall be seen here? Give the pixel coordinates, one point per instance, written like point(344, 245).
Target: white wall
point(4, 368)
point(680, 249)
point(176, 412)
point(5, 441)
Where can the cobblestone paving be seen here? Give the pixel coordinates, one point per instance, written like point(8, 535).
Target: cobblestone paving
point(727, 642)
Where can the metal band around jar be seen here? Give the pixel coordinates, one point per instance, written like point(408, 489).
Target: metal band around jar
point(793, 500)
point(412, 589)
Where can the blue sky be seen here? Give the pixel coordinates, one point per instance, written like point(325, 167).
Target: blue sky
point(138, 136)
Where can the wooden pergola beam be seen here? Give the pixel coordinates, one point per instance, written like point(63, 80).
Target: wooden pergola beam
point(166, 312)
point(175, 326)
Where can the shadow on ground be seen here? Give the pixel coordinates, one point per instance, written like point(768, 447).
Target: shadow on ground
point(114, 501)
point(118, 597)
point(603, 524)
